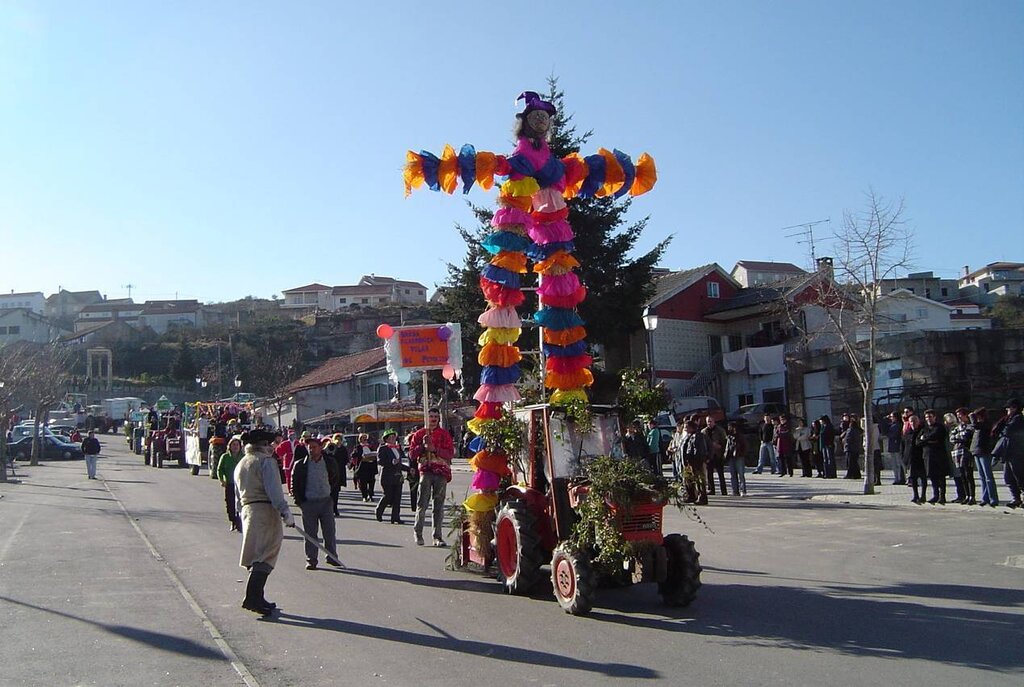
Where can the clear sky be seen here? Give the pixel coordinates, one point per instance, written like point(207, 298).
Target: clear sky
point(214, 150)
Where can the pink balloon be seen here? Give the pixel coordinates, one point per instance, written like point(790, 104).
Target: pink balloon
point(444, 332)
point(448, 372)
point(385, 331)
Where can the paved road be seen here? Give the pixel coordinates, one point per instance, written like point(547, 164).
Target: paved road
point(134, 580)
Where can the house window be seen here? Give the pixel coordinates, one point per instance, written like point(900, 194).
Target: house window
point(986, 285)
point(364, 301)
point(3, 330)
point(945, 291)
point(735, 342)
point(927, 293)
point(407, 292)
point(342, 301)
point(745, 399)
point(712, 289)
point(922, 313)
point(14, 329)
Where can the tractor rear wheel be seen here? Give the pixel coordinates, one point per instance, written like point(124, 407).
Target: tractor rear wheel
point(517, 547)
point(683, 580)
point(573, 579)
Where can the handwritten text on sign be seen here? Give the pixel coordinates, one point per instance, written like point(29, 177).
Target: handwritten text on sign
point(422, 348)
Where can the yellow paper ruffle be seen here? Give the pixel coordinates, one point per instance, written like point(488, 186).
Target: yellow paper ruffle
point(646, 176)
point(499, 355)
point(563, 396)
point(614, 175)
point(413, 172)
point(561, 261)
point(513, 262)
point(499, 335)
point(485, 163)
point(526, 186)
point(480, 502)
point(448, 170)
point(476, 425)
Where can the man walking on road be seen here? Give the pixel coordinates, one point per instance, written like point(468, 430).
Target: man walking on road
point(260, 500)
point(314, 479)
point(432, 447)
point(91, 449)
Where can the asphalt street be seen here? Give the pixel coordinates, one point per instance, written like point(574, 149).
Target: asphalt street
point(133, 579)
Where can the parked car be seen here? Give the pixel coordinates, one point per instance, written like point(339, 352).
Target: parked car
point(25, 430)
point(749, 415)
point(51, 448)
point(698, 405)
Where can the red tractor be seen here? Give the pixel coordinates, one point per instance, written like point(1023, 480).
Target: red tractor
point(534, 521)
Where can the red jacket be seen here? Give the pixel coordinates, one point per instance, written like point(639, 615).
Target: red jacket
point(436, 462)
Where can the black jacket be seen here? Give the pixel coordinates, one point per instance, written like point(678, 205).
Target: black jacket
point(91, 446)
point(299, 471)
point(390, 472)
point(933, 440)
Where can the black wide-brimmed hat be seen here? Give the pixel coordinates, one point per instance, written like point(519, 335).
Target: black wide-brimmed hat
point(256, 436)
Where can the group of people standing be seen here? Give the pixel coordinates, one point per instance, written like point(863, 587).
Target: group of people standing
point(254, 477)
point(956, 446)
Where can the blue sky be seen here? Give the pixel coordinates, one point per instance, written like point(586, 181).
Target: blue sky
point(217, 150)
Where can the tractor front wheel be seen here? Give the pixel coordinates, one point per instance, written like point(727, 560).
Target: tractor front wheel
point(573, 580)
point(517, 547)
point(683, 580)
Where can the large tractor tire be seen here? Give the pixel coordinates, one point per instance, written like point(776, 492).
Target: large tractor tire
point(683, 581)
point(517, 548)
point(573, 579)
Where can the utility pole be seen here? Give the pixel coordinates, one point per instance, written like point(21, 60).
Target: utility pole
point(130, 287)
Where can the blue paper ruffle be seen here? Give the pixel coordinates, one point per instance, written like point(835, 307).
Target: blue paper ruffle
point(498, 241)
point(492, 374)
point(498, 275)
point(467, 166)
point(557, 318)
point(578, 348)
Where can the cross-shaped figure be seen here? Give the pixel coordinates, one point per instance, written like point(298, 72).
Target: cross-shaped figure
point(531, 222)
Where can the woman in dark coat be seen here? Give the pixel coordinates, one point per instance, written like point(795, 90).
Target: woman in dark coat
point(914, 460)
point(365, 460)
point(391, 459)
point(934, 442)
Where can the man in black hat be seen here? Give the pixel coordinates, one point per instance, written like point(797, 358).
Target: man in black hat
point(261, 503)
point(1010, 447)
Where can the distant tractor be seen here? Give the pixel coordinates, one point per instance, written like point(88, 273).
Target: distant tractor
point(534, 521)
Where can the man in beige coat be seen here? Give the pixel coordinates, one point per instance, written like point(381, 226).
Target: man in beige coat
point(261, 503)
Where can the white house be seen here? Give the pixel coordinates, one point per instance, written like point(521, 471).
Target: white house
point(339, 384)
point(750, 273)
point(163, 315)
point(33, 300)
point(22, 324)
point(371, 291)
point(902, 311)
point(993, 281)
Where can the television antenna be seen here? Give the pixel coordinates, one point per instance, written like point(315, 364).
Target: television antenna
point(805, 235)
point(129, 287)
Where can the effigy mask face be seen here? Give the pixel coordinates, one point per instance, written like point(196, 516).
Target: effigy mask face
point(538, 123)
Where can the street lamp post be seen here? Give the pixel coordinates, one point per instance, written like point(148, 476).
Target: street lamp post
point(238, 383)
point(650, 324)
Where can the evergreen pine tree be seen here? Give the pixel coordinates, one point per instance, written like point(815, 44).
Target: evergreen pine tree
point(184, 368)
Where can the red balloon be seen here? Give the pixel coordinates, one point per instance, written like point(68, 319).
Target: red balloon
point(385, 331)
point(448, 372)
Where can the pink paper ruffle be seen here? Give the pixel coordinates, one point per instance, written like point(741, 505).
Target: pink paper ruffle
point(506, 216)
point(550, 232)
point(500, 318)
point(485, 480)
point(559, 285)
point(548, 200)
point(497, 393)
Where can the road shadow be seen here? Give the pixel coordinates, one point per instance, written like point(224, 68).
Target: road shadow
point(481, 585)
point(879, 622)
point(447, 642)
point(160, 641)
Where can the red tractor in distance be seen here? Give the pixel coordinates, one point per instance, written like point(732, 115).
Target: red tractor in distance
point(535, 521)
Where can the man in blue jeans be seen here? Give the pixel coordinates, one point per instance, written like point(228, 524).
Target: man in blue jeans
point(91, 449)
point(766, 455)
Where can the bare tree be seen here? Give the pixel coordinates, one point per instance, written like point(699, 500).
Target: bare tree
point(45, 380)
point(272, 373)
point(15, 363)
point(871, 245)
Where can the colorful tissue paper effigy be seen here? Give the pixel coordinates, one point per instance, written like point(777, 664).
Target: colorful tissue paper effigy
point(530, 223)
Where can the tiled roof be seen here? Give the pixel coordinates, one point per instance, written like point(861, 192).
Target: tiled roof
point(23, 293)
point(377, 280)
point(361, 290)
point(91, 329)
point(112, 307)
point(75, 296)
point(759, 266)
point(673, 281)
point(308, 287)
point(339, 369)
point(171, 309)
